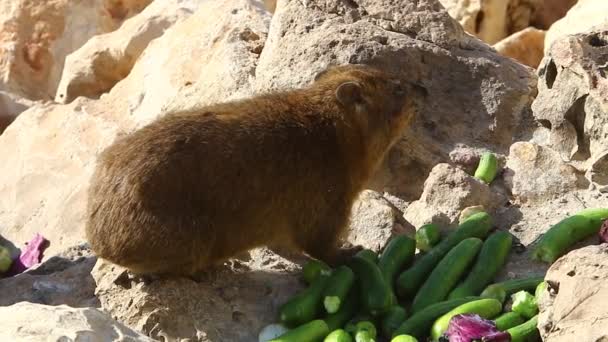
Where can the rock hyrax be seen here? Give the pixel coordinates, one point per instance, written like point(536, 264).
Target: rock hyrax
point(195, 188)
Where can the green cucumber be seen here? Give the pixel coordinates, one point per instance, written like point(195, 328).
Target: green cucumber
point(364, 336)
point(306, 305)
point(312, 269)
point(567, 232)
point(447, 273)
point(338, 336)
point(524, 303)
point(508, 320)
point(398, 252)
point(368, 327)
point(486, 308)
point(477, 225)
point(404, 338)
point(487, 168)
point(494, 292)
point(375, 293)
point(525, 331)
point(347, 310)
point(313, 331)
point(339, 283)
point(491, 259)
point(427, 236)
point(368, 254)
point(392, 320)
point(5, 259)
point(418, 325)
point(509, 287)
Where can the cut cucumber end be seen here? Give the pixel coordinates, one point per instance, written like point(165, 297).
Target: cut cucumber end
point(332, 304)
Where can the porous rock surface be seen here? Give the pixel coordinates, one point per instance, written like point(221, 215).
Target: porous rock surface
point(38, 322)
point(572, 308)
point(36, 36)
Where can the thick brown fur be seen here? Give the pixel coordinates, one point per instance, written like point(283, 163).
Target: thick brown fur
point(193, 189)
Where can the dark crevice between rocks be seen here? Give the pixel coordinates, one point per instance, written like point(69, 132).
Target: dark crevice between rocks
point(576, 116)
point(478, 20)
point(545, 123)
point(549, 73)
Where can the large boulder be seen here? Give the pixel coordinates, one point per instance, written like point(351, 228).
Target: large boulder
point(36, 36)
point(420, 42)
point(537, 173)
point(108, 58)
point(49, 152)
point(572, 101)
point(37, 323)
point(447, 191)
point(573, 308)
point(583, 16)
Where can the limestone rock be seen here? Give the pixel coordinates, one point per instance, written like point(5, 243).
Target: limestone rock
point(36, 37)
point(525, 46)
point(373, 221)
point(571, 310)
point(10, 107)
point(420, 42)
point(64, 278)
point(231, 303)
point(493, 20)
point(57, 144)
point(38, 323)
point(583, 16)
point(573, 96)
point(537, 173)
point(108, 58)
point(447, 191)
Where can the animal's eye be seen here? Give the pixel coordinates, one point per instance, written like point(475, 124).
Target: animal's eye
point(399, 89)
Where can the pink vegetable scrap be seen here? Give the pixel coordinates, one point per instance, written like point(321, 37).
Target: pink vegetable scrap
point(473, 328)
point(30, 255)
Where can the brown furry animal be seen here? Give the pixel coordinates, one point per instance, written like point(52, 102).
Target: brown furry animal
point(193, 189)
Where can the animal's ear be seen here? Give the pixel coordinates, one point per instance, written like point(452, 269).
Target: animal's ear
point(348, 93)
point(320, 74)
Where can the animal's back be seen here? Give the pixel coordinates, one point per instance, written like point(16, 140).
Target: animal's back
point(229, 178)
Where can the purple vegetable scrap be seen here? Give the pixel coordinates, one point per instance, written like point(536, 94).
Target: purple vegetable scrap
point(30, 255)
point(604, 232)
point(473, 328)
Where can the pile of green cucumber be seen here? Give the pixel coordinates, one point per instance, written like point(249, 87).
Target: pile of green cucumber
point(401, 296)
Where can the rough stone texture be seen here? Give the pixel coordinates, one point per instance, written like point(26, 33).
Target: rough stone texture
point(38, 323)
point(36, 36)
point(49, 151)
point(572, 309)
point(525, 46)
point(64, 278)
point(108, 58)
point(447, 191)
point(492, 20)
point(583, 16)
point(538, 173)
point(420, 42)
point(10, 107)
point(231, 303)
point(573, 97)
point(373, 221)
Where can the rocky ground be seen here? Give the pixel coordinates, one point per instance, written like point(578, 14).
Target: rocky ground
point(525, 79)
